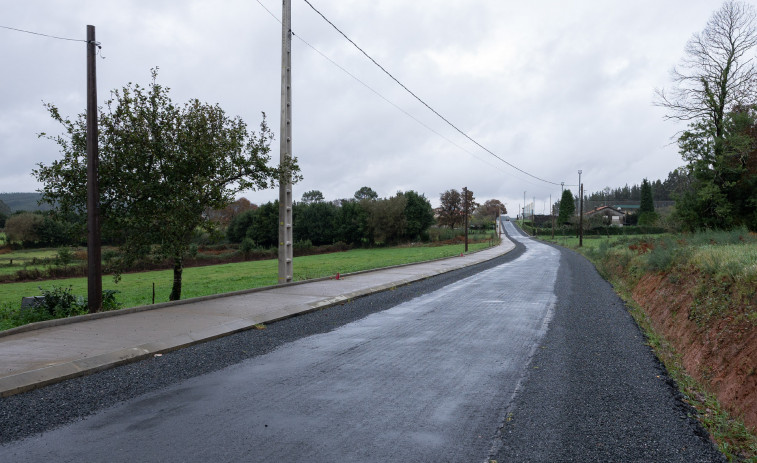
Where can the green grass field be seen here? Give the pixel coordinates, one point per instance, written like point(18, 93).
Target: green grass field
point(11, 262)
point(135, 289)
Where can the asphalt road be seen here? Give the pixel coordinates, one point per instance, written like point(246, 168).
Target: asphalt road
point(532, 359)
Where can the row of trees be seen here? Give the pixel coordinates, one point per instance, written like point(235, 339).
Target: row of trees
point(364, 219)
point(676, 183)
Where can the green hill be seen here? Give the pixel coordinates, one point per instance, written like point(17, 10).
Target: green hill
point(24, 202)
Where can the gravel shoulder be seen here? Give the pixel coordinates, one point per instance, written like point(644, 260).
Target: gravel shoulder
point(594, 390)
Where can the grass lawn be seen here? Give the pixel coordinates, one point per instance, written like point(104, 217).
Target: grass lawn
point(25, 258)
point(135, 289)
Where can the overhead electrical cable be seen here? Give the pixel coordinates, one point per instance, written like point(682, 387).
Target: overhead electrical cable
point(423, 102)
point(374, 91)
point(43, 35)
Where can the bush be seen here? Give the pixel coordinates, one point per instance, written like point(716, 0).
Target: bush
point(59, 302)
point(64, 256)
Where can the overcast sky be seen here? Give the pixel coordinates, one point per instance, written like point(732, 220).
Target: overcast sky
point(551, 86)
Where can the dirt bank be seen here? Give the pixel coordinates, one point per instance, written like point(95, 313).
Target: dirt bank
point(721, 354)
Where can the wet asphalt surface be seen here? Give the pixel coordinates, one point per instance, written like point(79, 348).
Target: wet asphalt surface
point(587, 389)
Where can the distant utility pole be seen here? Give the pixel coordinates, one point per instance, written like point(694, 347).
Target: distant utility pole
point(94, 263)
point(552, 215)
point(286, 254)
point(465, 211)
point(580, 211)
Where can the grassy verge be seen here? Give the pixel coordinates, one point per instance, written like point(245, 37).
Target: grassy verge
point(136, 289)
point(724, 268)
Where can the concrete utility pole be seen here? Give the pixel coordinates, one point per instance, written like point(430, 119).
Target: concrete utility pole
point(465, 211)
point(94, 263)
point(286, 253)
point(580, 211)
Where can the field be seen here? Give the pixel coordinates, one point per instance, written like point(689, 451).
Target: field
point(135, 289)
point(12, 261)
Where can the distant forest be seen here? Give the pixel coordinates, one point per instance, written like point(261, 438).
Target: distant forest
point(662, 190)
point(23, 202)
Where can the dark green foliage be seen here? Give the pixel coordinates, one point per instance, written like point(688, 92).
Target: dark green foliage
point(404, 217)
point(161, 167)
point(419, 215)
point(647, 201)
point(567, 208)
point(315, 221)
point(352, 223)
point(365, 193)
point(312, 196)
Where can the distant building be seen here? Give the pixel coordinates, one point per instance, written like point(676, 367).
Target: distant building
point(611, 215)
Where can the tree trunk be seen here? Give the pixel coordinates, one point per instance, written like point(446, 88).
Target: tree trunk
point(178, 267)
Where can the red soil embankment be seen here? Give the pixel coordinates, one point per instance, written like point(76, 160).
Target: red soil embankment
point(722, 355)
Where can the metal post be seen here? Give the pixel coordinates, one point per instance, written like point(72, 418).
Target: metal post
point(286, 254)
point(94, 272)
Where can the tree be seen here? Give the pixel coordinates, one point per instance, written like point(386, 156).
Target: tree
point(365, 193)
point(161, 166)
point(492, 208)
point(312, 196)
point(225, 215)
point(567, 208)
point(315, 221)
point(451, 209)
point(647, 215)
point(386, 219)
point(23, 227)
point(715, 88)
point(419, 215)
point(716, 72)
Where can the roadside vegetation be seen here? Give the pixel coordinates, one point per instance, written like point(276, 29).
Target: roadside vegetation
point(136, 289)
point(695, 296)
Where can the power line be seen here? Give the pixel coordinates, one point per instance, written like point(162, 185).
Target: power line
point(44, 35)
point(423, 102)
point(374, 91)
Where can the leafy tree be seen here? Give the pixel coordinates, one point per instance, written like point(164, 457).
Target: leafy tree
point(312, 196)
point(451, 209)
point(351, 225)
point(567, 207)
point(264, 230)
point(386, 219)
point(714, 86)
point(225, 215)
point(161, 166)
point(365, 193)
point(23, 227)
point(5, 210)
point(315, 221)
point(419, 215)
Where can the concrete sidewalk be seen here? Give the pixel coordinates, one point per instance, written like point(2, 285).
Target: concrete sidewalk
point(32, 358)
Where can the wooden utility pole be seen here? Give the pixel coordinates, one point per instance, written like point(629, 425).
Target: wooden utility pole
point(465, 211)
point(286, 254)
point(94, 264)
point(552, 215)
